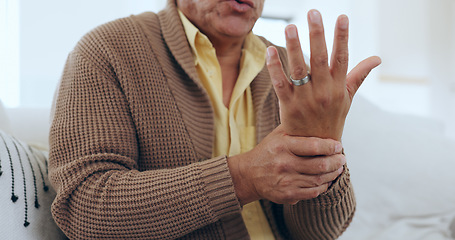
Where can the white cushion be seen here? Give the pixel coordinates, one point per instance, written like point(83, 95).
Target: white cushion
point(26, 192)
point(402, 172)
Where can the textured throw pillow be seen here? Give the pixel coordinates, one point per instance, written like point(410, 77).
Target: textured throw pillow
point(26, 192)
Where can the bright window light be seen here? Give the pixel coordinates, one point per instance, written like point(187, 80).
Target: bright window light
point(9, 53)
point(272, 29)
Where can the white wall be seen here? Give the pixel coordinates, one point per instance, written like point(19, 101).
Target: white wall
point(49, 29)
point(402, 82)
point(9, 51)
point(442, 61)
point(404, 37)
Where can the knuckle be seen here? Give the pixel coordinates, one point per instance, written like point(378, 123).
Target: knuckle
point(342, 57)
point(277, 147)
point(278, 84)
point(323, 166)
point(335, 99)
point(321, 60)
point(316, 32)
point(281, 166)
point(285, 183)
point(323, 99)
point(288, 196)
point(299, 72)
point(294, 45)
point(318, 181)
point(342, 37)
point(273, 63)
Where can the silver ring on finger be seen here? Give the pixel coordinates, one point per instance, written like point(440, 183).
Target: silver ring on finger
point(302, 81)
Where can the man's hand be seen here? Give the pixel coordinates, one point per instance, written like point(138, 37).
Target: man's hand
point(318, 108)
point(286, 169)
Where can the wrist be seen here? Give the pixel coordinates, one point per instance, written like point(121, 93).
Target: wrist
point(243, 187)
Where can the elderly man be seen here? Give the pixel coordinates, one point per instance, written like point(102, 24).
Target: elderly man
point(171, 125)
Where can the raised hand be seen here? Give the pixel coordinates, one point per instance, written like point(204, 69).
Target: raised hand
point(319, 107)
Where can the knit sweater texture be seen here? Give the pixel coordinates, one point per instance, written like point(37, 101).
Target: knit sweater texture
point(131, 144)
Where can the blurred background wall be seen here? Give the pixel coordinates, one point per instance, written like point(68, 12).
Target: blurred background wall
point(414, 38)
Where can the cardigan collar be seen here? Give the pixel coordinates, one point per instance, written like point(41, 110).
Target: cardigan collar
point(175, 38)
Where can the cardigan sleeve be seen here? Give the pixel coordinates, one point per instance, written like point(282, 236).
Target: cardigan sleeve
point(93, 165)
point(324, 217)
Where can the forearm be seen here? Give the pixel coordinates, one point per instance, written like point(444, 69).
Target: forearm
point(114, 202)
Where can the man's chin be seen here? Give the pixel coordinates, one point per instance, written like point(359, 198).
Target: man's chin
point(236, 28)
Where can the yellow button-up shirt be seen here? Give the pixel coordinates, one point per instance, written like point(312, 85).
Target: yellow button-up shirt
point(234, 125)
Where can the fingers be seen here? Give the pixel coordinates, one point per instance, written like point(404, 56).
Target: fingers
point(319, 165)
point(303, 187)
point(319, 56)
point(295, 55)
point(304, 146)
point(313, 186)
point(286, 169)
point(294, 195)
point(315, 156)
point(340, 52)
point(308, 181)
point(279, 79)
point(358, 74)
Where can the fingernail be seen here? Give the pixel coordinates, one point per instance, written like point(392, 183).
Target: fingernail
point(270, 53)
point(343, 22)
point(291, 31)
point(340, 170)
point(315, 17)
point(338, 148)
point(343, 160)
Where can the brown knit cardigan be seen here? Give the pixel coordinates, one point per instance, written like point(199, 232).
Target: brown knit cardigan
point(131, 144)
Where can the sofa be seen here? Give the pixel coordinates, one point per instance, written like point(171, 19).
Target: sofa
point(27, 194)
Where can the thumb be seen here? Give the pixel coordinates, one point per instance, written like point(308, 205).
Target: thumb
point(358, 74)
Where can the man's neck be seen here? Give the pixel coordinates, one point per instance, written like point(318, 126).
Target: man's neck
point(229, 54)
